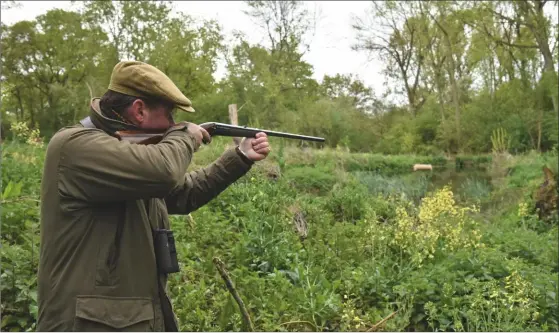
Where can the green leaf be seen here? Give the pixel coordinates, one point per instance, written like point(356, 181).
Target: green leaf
point(7, 191)
point(7, 320)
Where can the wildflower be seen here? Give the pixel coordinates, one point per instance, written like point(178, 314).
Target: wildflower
point(31, 137)
point(522, 209)
point(439, 218)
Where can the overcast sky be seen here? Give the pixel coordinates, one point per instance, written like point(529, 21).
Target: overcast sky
point(330, 48)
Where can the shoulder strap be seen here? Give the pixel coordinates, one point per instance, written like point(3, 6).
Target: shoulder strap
point(87, 123)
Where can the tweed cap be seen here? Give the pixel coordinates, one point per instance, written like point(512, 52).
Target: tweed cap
point(139, 79)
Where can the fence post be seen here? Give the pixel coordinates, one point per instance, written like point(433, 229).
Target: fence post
point(234, 120)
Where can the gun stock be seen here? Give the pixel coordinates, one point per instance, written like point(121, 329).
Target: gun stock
point(214, 129)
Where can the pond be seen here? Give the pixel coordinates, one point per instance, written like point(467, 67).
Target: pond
point(466, 183)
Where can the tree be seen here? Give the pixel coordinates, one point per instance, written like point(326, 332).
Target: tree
point(454, 45)
point(271, 83)
point(133, 27)
point(395, 33)
point(525, 29)
point(286, 23)
point(346, 86)
point(46, 63)
point(10, 4)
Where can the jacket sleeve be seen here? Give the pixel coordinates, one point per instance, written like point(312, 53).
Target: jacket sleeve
point(200, 186)
point(96, 167)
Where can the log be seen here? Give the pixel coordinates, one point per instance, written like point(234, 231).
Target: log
point(417, 167)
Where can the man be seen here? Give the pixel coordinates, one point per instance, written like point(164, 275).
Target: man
point(106, 244)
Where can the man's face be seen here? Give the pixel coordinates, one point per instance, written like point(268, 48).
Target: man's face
point(159, 117)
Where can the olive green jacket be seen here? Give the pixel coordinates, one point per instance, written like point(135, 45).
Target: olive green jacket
point(100, 200)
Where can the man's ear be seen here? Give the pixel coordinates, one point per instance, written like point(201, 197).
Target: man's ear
point(137, 111)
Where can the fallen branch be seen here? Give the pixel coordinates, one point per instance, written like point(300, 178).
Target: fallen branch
point(380, 323)
point(229, 284)
point(4, 201)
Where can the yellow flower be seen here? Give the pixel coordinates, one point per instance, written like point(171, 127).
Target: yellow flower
point(439, 218)
point(522, 209)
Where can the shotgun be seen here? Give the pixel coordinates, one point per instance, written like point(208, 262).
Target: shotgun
point(214, 129)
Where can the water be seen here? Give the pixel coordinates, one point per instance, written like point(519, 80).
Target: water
point(468, 184)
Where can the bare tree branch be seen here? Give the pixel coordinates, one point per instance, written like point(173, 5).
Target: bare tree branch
point(503, 42)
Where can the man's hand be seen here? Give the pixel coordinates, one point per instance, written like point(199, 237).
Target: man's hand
point(200, 133)
point(256, 149)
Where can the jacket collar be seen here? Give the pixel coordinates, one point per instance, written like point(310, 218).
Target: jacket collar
point(108, 125)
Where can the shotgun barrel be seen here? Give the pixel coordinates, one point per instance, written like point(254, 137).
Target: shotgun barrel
point(221, 129)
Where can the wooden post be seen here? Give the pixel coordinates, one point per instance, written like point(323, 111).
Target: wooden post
point(234, 120)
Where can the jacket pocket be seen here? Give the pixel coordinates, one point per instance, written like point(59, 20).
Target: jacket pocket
point(103, 313)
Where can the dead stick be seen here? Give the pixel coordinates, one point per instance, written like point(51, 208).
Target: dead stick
point(229, 284)
point(377, 325)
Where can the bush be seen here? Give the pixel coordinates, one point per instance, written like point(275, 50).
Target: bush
point(318, 180)
point(348, 202)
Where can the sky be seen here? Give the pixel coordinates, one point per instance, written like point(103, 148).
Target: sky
point(330, 47)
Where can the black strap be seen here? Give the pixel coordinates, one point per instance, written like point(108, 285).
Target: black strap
point(87, 123)
point(167, 310)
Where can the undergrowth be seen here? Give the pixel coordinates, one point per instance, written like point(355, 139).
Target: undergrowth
point(460, 254)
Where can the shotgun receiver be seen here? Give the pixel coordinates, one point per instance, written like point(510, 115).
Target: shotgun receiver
point(214, 129)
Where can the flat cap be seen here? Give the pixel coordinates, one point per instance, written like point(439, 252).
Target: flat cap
point(136, 78)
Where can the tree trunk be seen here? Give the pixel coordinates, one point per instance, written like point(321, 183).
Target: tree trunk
point(540, 116)
point(456, 102)
point(441, 100)
point(536, 23)
point(20, 114)
point(451, 69)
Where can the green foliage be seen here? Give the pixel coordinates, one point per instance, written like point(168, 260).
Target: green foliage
point(348, 202)
point(318, 180)
point(371, 248)
point(21, 170)
point(475, 190)
point(500, 141)
point(459, 74)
